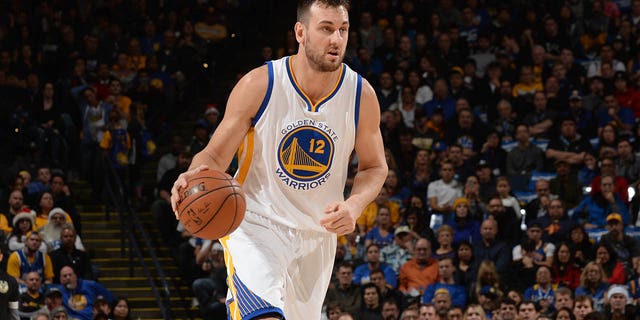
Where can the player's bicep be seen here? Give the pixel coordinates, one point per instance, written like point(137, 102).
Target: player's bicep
point(243, 105)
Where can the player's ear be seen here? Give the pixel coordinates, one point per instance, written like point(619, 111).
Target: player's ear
point(299, 29)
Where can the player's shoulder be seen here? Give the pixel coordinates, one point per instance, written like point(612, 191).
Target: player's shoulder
point(256, 78)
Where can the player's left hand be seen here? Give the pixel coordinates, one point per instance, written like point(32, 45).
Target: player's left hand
point(340, 218)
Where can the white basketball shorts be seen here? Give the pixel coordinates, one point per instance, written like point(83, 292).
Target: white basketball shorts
point(273, 269)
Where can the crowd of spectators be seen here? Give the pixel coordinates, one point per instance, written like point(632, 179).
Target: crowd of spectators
point(512, 142)
point(86, 86)
point(510, 129)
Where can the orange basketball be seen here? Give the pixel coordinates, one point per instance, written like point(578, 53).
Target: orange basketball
point(212, 205)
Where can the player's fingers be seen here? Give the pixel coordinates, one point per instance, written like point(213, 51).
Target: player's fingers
point(331, 207)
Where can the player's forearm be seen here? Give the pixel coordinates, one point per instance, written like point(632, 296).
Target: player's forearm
point(366, 186)
point(205, 157)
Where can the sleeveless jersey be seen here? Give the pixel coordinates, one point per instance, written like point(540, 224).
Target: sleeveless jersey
point(294, 160)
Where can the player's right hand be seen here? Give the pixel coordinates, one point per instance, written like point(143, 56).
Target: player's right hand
point(181, 182)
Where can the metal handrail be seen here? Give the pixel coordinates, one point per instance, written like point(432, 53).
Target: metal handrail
point(127, 214)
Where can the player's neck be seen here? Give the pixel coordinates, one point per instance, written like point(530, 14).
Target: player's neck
point(315, 84)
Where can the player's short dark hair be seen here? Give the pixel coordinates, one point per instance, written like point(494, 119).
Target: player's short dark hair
point(304, 5)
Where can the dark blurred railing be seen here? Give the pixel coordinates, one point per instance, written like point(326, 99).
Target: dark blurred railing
point(117, 199)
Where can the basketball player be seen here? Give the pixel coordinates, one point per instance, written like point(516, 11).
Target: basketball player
point(296, 122)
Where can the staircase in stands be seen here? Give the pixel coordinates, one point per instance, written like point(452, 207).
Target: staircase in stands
point(101, 236)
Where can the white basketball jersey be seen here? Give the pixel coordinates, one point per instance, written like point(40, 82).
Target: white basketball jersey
point(294, 161)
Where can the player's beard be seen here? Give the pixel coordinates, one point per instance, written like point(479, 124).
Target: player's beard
point(318, 61)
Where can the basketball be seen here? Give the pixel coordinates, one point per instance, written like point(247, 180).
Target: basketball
point(212, 204)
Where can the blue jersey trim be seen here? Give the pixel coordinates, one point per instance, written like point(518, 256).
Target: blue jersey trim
point(357, 108)
point(271, 310)
point(249, 303)
point(295, 86)
point(267, 96)
point(335, 90)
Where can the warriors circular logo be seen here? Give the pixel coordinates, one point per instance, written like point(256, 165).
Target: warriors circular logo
point(305, 153)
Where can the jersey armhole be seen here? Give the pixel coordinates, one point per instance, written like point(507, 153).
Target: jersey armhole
point(356, 112)
point(267, 96)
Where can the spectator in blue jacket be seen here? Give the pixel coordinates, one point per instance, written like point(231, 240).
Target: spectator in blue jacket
point(593, 210)
point(362, 273)
point(78, 294)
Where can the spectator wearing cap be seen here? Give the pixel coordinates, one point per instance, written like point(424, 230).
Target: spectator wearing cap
point(33, 299)
point(594, 209)
point(52, 299)
point(51, 232)
point(79, 294)
point(569, 146)
point(541, 253)
point(621, 117)
point(618, 305)
point(212, 115)
point(585, 121)
point(23, 223)
point(59, 313)
point(488, 298)
point(30, 258)
point(525, 158)
point(464, 227)
point(626, 248)
point(446, 281)
point(101, 306)
point(68, 254)
point(442, 301)
point(401, 250)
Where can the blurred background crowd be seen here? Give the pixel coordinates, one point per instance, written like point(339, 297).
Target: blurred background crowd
point(510, 127)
